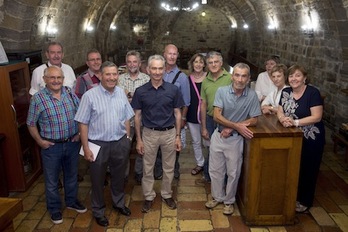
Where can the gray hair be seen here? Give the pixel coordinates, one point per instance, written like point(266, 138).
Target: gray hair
point(52, 44)
point(47, 70)
point(107, 64)
point(242, 66)
point(214, 53)
point(155, 57)
point(133, 53)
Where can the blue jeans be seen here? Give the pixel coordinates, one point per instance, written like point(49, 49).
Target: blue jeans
point(60, 156)
point(211, 125)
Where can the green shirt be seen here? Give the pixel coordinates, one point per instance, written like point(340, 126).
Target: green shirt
point(209, 87)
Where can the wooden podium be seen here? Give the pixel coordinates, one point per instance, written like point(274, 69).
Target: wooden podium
point(268, 182)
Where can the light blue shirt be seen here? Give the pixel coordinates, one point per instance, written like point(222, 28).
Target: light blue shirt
point(105, 113)
point(182, 82)
point(234, 108)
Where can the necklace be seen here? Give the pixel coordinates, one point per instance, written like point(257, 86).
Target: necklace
point(299, 93)
point(199, 76)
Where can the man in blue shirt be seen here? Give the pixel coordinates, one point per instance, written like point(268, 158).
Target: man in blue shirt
point(235, 108)
point(173, 75)
point(53, 109)
point(103, 118)
point(157, 105)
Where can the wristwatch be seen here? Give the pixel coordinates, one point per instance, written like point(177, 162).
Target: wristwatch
point(130, 138)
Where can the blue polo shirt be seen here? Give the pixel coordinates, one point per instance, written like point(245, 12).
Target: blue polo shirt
point(157, 105)
point(237, 109)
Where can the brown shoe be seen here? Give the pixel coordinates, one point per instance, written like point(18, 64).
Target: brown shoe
point(197, 170)
point(169, 202)
point(147, 206)
point(201, 182)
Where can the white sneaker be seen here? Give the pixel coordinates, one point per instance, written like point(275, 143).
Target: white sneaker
point(228, 209)
point(300, 208)
point(212, 204)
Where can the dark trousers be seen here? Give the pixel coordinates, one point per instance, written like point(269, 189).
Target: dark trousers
point(309, 169)
point(211, 125)
point(114, 154)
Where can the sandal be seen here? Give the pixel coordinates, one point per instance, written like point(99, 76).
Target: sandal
point(196, 170)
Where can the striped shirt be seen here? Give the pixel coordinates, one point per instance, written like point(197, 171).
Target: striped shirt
point(55, 117)
point(105, 113)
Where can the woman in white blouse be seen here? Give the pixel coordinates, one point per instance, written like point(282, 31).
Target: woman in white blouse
point(270, 104)
point(264, 84)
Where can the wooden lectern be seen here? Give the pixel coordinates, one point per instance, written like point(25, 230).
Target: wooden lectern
point(268, 182)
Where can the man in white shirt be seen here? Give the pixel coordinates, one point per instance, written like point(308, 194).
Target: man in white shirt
point(54, 54)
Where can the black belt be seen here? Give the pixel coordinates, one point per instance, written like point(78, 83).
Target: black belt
point(162, 128)
point(59, 140)
point(233, 133)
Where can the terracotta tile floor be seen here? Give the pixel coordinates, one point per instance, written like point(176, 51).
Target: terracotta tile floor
point(329, 214)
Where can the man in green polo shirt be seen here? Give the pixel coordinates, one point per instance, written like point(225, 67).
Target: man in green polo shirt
point(216, 78)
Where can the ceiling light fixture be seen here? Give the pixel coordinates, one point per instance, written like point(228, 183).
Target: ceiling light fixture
point(184, 5)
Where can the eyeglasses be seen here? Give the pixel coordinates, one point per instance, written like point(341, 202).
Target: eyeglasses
point(52, 78)
point(95, 59)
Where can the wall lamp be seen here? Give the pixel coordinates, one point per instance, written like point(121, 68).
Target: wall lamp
point(308, 27)
point(113, 27)
point(50, 31)
point(273, 25)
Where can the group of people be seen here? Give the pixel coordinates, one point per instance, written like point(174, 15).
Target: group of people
point(286, 93)
point(103, 109)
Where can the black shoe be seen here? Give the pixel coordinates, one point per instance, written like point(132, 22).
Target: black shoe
point(169, 202)
point(79, 178)
point(60, 185)
point(158, 177)
point(125, 211)
point(138, 178)
point(147, 206)
point(102, 221)
point(177, 176)
point(78, 207)
point(57, 218)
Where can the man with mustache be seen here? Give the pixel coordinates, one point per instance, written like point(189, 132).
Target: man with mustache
point(54, 54)
point(130, 81)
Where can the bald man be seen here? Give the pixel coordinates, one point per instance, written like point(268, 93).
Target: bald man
point(173, 75)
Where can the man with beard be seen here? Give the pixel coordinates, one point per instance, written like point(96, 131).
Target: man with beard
point(54, 54)
point(235, 108)
point(130, 81)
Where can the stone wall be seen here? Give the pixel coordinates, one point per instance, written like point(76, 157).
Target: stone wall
point(325, 54)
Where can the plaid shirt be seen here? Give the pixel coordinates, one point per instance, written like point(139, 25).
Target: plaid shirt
point(55, 117)
point(126, 82)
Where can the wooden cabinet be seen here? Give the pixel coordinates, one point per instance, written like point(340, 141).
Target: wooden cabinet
point(20, 152)
point(268, 183)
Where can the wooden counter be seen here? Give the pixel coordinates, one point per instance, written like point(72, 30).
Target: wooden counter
point(268, 183)
point(9, 209)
